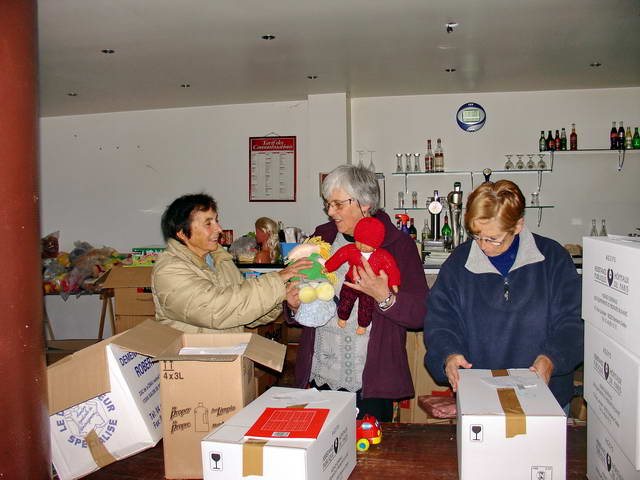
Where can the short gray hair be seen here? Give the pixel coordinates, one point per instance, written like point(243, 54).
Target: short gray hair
point(359, 182)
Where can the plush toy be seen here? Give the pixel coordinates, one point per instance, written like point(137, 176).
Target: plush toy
point(369, 235)
point(316, 288)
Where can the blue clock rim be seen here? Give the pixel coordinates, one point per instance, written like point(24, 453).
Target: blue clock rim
point(471, 126)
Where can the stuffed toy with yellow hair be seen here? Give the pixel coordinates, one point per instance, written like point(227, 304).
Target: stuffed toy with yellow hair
point(317, 293)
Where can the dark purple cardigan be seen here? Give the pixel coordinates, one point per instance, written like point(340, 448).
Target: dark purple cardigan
point(386, 370)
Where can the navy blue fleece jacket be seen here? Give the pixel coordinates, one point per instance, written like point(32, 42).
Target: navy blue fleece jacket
point(500, 321)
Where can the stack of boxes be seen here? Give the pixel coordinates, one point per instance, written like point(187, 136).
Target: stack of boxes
point(611, 310)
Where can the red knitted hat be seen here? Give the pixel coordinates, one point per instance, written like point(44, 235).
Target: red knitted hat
point(369, 231)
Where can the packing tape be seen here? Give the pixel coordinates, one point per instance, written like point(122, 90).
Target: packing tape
point(515, 419)
point(252, 453)
point(99, 452)
point(301, 405)
point(500, 373)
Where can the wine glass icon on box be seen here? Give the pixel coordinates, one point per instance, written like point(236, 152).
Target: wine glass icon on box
point(216, 461)
point(476, 433)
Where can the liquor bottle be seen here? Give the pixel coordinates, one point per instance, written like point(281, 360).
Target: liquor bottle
point(551, 143)
point(446, 233)
point(543, 142)
point(603, 229)
point(594, 228)
point(636, 139)
point(438, 160)
point(613, 136)
point(621, 136)
point(628, 139)
point(428, 158)
point(563, 139)
point(413, 233)
point(558, 141)
point(573, 138)
point(281, 236)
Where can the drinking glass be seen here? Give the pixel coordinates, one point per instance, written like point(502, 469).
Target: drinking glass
point(508, 164)
point(541, 163)
point(408, 168)
point(398, 163)
point(535, 199)
point(360, 154)
point(414, 199)
point(416, 163)
point(530, 163)
point(519, 163)
point(371, 166)
point(400, 199)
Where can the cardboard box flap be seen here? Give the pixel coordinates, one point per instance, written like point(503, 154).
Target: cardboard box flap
point(131, 277)
point(78, 377)
point(266, 352)
point(149, 338)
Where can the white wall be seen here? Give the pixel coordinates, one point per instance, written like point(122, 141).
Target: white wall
point(582, 186)
point(107, 178)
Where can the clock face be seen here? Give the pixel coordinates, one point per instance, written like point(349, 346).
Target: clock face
point(435, 207)
point(471, 117)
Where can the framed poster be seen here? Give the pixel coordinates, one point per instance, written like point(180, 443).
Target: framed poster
point(272, 169)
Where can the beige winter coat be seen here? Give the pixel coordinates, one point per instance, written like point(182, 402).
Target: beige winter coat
point(193, 298)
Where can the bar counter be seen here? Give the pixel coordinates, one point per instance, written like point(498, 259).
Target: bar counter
point(407, 451)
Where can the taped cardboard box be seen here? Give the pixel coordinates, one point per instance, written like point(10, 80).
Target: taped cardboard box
point(605, 459)
point(510, 426)
point(610, 273)
point(104, 400)
point(611, 389)
point(423, 382)
point(132, 294)
point(205, 379)
point(227, 454)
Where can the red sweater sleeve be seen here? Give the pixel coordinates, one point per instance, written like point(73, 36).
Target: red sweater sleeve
point(384, 261)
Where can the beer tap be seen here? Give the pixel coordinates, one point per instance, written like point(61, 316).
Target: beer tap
point(454, 201)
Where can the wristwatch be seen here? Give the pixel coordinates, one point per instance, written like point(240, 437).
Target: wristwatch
point(387, 302)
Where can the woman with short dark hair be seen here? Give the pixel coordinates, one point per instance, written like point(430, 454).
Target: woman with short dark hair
point(506, 298)
point(193, 297)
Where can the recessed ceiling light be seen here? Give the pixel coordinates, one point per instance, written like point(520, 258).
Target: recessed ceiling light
point(450, 26)
point(449, 70)
point(108, 51)
point(185, 85)
point(268, 37)
point(312, 77)
point(72, 94)
point(595, 64)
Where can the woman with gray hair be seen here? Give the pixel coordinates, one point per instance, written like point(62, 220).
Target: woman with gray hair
point(373, 365)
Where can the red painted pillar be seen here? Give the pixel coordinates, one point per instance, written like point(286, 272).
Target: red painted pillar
point(24, 442)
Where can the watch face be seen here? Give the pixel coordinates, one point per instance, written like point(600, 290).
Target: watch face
point(435, 207)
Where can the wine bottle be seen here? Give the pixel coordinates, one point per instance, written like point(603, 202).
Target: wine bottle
point(413, 233)
point(446, 233)
point(573, 138)
point(439, 157)
point(428, 158)
point(551, 143)
point(558, 141)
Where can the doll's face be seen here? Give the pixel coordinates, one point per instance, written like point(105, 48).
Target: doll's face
point(364, 248)
point(261, 236)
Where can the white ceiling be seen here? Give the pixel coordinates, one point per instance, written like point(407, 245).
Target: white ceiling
point(363, 47)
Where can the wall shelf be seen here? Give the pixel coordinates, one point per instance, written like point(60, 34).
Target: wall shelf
point(590, 151)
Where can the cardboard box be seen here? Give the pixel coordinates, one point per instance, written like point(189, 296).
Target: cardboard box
point(605, 460)
point(132, 294)
point(58, 349)
point(423, 382)
point(610, 272)
point(510, 426)
point(104, 401)
point(200, 392)
point(226, 455)
point(611, 382)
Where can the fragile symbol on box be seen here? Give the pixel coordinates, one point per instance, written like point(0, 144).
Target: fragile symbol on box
point(476, 433)
point(216, 461)
point(541, 473)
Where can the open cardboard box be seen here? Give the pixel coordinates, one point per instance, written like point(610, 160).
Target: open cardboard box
point(201, 391)
point(104, 401)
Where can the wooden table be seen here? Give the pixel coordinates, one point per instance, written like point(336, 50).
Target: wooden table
point(407, 451)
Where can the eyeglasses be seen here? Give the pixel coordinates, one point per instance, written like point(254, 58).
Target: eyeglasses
point(491, 241)
point(337, 204)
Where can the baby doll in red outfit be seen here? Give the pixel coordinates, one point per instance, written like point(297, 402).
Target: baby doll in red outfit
point(369, 235)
